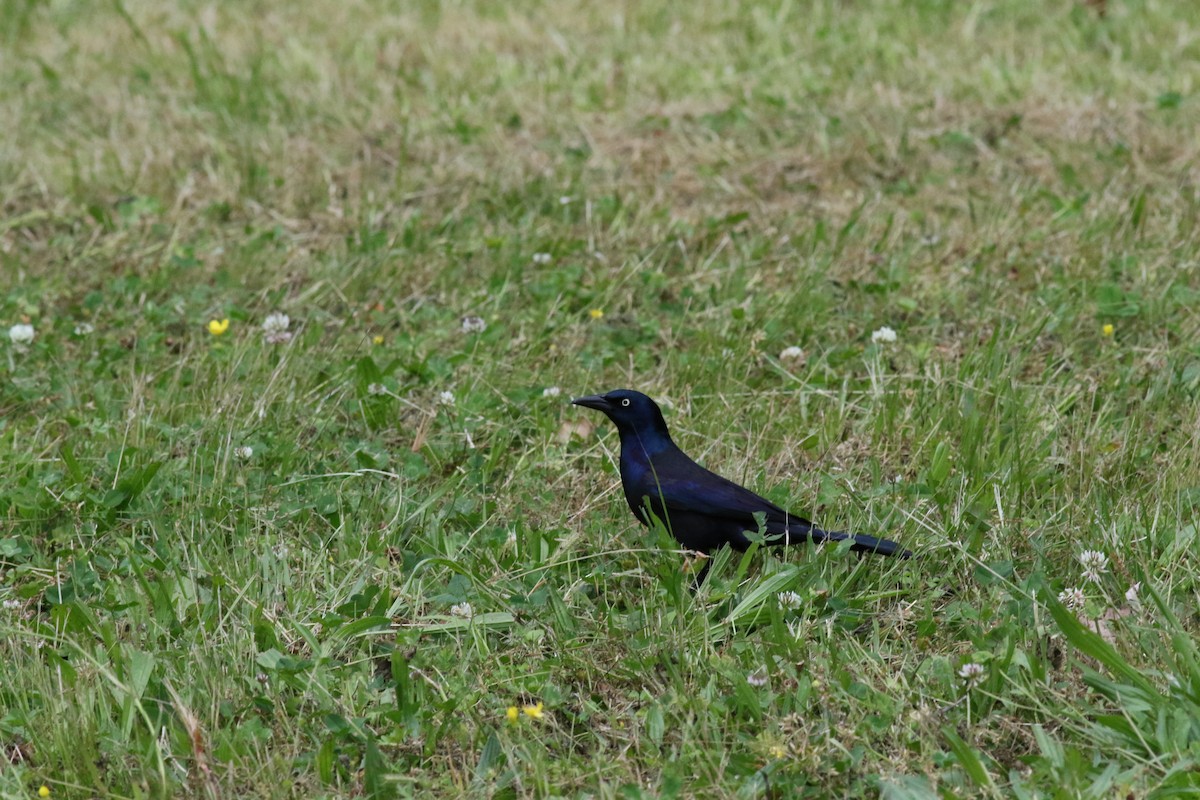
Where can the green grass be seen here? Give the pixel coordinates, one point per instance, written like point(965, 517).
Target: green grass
point(997, 181)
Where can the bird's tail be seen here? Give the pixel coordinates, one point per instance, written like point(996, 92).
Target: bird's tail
point(870, 544)
point(862, 542)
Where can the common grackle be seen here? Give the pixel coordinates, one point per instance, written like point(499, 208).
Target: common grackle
point(702, 510)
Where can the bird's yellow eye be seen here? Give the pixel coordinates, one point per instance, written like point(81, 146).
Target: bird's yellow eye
point(625, 402)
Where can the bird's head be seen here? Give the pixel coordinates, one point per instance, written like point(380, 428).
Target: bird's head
point(632, 412)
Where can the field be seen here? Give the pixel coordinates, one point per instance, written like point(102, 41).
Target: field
point(373, 550)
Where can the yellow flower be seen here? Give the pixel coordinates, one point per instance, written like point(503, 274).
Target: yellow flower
point(511, 713)
point(596, 313)
point(1108, 329)
point(377, 339)
point(534, 711)
point(217, 327)
point(776, 751)
point(43, 791)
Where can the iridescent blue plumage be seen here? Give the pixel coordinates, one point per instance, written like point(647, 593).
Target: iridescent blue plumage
point(702, 510)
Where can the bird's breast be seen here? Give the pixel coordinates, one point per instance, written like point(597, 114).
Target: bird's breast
point(637, 479)
point(637, 472)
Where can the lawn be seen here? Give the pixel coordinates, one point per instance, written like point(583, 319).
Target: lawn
point(373, 550)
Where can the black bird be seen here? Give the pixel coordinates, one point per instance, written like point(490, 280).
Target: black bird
point(702, 510)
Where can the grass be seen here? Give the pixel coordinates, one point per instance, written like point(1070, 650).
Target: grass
point(997, 181)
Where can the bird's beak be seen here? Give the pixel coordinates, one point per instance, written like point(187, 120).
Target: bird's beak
point(593, 401)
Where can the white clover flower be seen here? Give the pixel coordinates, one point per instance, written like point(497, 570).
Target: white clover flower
point(1072, 598)
point(275, 328)
point(1094, 564)
point(446, 398)
point(884, 335)
point(792, 353)
point(931, 240)
point(1131, 596)
point(84, 329)
point(243, 453)
point(551, 391)
point(9, 605)
point(473, 324)
point(20, 335)
point(541, 258)
point(376, 389)
point(790, 600)
point(971, 673)
point(758, 677)
point(564, 200)
point(463, 610)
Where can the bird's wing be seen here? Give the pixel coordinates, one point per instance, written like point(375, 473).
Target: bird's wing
point(686, 486)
